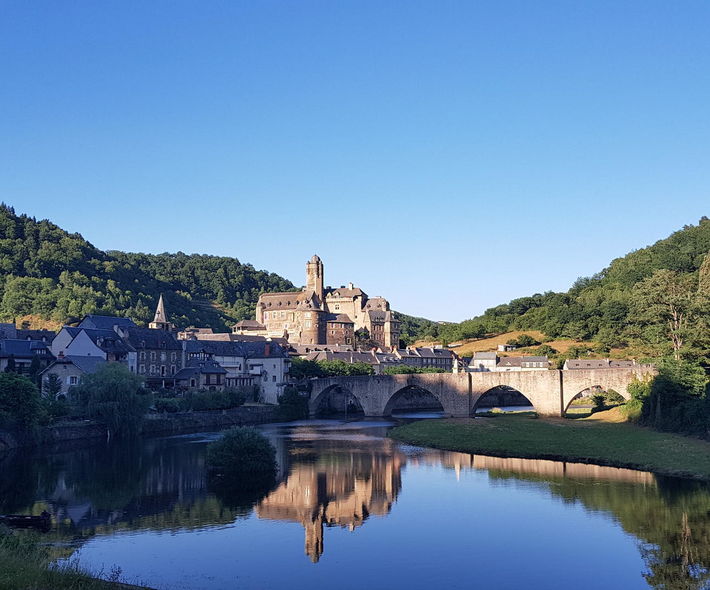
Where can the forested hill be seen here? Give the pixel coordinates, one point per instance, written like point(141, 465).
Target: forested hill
point(627, 301)
point(50, 273)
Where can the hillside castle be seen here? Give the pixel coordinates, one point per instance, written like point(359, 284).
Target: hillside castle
point(324, 315)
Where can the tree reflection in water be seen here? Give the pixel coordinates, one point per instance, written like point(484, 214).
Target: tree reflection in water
point(328, 480)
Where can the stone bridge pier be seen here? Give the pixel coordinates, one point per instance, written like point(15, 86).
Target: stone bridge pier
point(550, 391)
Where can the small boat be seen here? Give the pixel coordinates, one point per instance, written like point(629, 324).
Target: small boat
point(26, 521)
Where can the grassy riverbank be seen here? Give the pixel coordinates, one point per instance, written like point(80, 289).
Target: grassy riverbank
point(25, 564)
point(598, 441)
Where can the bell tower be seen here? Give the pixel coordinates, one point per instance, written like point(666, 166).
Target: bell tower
point(314, 276)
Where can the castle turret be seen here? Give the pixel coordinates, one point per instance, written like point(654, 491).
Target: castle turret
point(314, 276)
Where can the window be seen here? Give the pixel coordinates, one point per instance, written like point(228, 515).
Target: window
point(163, 356)
point(142, 355)
point(192, 383)
point(141, 369)
point(152, 355)
point(173, 356)
point(152, 369)
point(172, 369)
point(273, 378)
point(162, 370)
point(73, 380)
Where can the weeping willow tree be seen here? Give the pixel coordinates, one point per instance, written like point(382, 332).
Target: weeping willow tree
point(114, 396)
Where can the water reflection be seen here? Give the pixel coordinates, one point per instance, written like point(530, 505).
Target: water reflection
point(337, 475)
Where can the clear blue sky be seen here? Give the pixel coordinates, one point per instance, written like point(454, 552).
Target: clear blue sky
point(447, 155)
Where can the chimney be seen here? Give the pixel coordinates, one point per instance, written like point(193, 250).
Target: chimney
point(351, 286)
point(61, 354)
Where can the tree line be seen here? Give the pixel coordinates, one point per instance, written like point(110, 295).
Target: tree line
point(50, 273)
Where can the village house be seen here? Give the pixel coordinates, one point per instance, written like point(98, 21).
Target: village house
point(70, 369)
point(17, 355)
point(522, 363)
point(155, 355)
point(261, 363)
point(201, 374)
point(103, 343)
point(483, 361)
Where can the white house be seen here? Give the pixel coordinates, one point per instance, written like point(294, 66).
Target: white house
point(483, 361)
point(265, 364)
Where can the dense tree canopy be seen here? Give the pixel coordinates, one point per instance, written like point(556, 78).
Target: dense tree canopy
point(48, 272)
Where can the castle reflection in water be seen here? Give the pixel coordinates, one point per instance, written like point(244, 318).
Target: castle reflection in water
point(330, 476)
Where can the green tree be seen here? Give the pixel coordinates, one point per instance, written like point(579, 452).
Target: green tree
point(34, 370)
point(20, 403)
point(52, 386)
point(11, 366)
point(115, 396)
point(670, 300)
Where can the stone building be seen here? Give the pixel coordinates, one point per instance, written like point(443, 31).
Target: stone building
point(326, 315)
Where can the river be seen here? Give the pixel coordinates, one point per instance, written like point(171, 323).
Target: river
point(354, 509)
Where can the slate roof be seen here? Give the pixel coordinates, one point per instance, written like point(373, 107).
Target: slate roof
point(250, 325)
point(587, 363)
point(534, 359)
point(41, 335)
point(511, 361)
point(257, 349)
point(23, 349)
point(86, 364)
point(342, 318)
point(145, 338)
point(344, 292)
point(434, 352)
point(105, 322)
point(106, 340)
point(196, 367)
point(484, 356)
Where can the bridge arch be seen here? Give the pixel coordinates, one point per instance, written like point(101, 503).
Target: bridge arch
point(428, 399)
point(591, 389)
point(506, 396)
point(335, 398)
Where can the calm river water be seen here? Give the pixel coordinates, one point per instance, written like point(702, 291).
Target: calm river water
point(354, 509)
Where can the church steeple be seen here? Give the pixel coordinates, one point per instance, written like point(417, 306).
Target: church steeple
point(160, 321)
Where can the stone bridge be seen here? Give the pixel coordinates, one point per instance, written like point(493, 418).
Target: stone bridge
point(550, 392)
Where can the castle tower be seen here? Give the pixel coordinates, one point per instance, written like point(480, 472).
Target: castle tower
point(160, 321)
point(314, 276)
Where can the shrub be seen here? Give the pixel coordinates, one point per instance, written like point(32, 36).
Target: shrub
point(292, 405)
point(169, 405)
point(598, 401)
point(241, 467)
point(214, 400)
point(240, 453)
point(614, 397)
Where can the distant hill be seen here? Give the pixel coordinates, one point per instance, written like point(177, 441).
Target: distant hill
point(600, 307)
point(49, 273)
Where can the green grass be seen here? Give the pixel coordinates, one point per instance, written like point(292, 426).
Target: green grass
point(26, 564)
point(582, 440)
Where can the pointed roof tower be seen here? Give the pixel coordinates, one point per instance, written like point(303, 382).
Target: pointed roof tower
point(160, 321)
